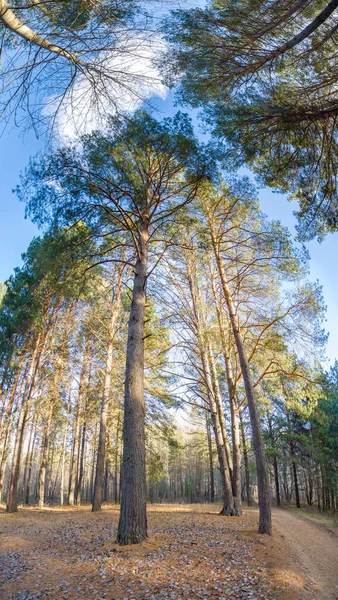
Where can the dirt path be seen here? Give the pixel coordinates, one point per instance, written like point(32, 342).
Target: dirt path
point(314, 550)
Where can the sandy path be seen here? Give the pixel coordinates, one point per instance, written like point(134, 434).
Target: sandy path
point(314, 550)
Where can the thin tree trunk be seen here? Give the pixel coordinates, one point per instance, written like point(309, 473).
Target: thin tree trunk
point(211, 383)
point(81, 466)
point(220, 410)
point(63, 460)
point(8, 425)
point(44, 453)
point(264, 496)
point(318, 489)
point(228, 501)
point(101, 452)
point(106, 481)
point(211, 462)
point(295, 480)
point(77, 425)
point(246, 462)
point(132, 527)
point(12, 501)
point(30, 469)
point(31, 441)
point(235, 433)
point(275, 464)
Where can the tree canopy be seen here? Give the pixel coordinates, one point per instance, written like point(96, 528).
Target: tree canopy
point(265, 75)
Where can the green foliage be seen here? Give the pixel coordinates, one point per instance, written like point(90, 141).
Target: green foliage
point(52, 271)
point(108, 181)
point(267, 84)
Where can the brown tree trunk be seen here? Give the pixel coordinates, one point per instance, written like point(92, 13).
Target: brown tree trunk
point(246, 462)
point(264, 496)
point(132, 527)
point(116, 469)
point(101, 451)
point(30, 468)
point(44, 453)
point(106, 481)
point(275, 464)
point(219, 406)
point(63, 459)
point(212, 390)
point(235, 433)
point(12, 501)
point(77, 426)
point(211, 462)
point(228, 501)
point(7, 426)
point(28, 461)
point(295, 481)
point(81, 466)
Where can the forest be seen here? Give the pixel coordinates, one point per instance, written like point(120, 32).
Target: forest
point(168, 414)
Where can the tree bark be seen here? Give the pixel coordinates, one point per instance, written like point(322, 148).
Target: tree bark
point(212, 392)
point(63, 459)
point(246, 462)
point(101, 451)
point(132, 527)
point(12, 22)
point(265, 522)
point(44, 452)
point(29, 473)
point(211, 462)
point(7, 424)
point(235, 433)
point(228, 508)
point(78, 489)
point(28, 460)
point(295, 480)
point(12, 501)
point(220, 410)
point(275, 463)
point(77, 425)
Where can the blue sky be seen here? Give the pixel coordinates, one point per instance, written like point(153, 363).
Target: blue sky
point(16, 232)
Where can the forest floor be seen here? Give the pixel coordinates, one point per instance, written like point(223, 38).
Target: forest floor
point(192, 553)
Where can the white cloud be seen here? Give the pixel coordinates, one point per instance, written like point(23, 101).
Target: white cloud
point(128, 77)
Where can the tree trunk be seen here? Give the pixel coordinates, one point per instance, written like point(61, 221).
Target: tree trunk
point(246, 462)
point(228, 501)
point(275, 470)
point(12, 501)
point(212, 392)
point(264, 496)
point(44, 452)
point(30, 469)
point(77, 425)
point(101, 451)
point(235, 433)
point(63, 459)
point(211, 462)
point(116, 466)
point(106, 482)
point(28, 461)
point(217, 396)
point(132, 527)
point(295, 480)
point(275, 464)
point(81, 466)
point(7, 425)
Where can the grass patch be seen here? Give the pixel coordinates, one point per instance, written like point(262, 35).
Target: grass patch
point(327, 519)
